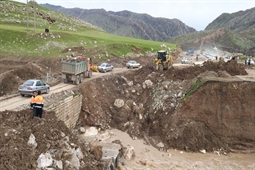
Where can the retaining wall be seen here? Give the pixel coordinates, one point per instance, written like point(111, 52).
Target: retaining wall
point(67, 108)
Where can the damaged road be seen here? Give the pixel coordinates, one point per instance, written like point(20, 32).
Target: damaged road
point(204, 109)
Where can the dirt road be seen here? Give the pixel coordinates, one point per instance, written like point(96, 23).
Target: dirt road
point(12, 102)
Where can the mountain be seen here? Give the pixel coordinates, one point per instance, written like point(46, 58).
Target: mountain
point(231, 32)
point(129, 24)
point(237, 22)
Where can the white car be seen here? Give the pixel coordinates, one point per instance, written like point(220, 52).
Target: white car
point(133, 64)
point(33, 85)
point(249, 60)
point(104, 67)
point(186, 61)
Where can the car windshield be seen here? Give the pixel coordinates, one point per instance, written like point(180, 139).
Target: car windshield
point(133, 62)
point(103, 65)
point(29, 83)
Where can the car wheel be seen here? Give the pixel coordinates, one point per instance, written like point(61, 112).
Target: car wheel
point(22, 95)
point(47, 90)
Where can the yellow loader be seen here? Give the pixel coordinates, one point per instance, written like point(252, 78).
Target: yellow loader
point(164, 61)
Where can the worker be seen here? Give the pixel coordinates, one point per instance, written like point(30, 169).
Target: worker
point(39, 104)
point(32, 104)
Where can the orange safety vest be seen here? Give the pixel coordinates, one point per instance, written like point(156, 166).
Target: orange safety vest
point(32, 101)
point(39, 101)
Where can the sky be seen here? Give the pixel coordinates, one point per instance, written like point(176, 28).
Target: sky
point(194, 13)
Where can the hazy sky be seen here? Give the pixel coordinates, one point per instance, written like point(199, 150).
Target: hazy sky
point(194, 13)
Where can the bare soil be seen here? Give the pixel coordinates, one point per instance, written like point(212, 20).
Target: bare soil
point(218, 115)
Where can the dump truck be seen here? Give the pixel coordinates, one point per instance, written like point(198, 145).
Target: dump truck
point(163, 61)
point(75, 69)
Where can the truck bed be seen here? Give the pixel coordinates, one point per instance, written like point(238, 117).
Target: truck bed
point(74, 68)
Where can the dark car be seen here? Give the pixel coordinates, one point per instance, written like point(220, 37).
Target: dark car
point(104, 67)
point(29, 86)
point(133, 64)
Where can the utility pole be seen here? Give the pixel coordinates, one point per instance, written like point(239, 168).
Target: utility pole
point(27, 14)
point(34, 18)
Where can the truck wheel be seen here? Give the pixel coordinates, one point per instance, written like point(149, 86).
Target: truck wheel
point(81, 78)
point(77, 80)
point(90, 74)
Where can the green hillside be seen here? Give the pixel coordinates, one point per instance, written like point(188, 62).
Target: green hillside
point(23, 34)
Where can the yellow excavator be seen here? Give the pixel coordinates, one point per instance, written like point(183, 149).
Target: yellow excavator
point(164, 61)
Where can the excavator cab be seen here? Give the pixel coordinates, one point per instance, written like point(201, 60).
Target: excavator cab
point(162, 55)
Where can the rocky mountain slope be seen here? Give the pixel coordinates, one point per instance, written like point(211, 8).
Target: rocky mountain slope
point(129, 24)
point(232, 32)
point(236, 28)
point(238, 21)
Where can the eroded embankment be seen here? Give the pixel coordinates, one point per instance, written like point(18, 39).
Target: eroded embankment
point(217, 116)
point(225, 113)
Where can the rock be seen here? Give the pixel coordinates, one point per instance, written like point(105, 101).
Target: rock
point(58, 164)
point(92, 131)
point(44, 160)
point(96, 149)
point(129, 153)
point(31, 142)
point(179, 94)
point(147, 83)
point(119, 103)
point(79, 153)
point(161, 146)
point(202, 151)
point(130, 83)
point(75, 161)
point(82, 130)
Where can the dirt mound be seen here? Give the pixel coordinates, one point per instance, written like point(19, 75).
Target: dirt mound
point(50, 134)
point(23, 69)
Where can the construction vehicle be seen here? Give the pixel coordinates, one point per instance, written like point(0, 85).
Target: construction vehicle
point(75, 69)
point(164, 61)
point(190, 52)
point(94, 68)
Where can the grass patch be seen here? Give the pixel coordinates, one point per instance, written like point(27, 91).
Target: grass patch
point(193, 88)
point(22, 35)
